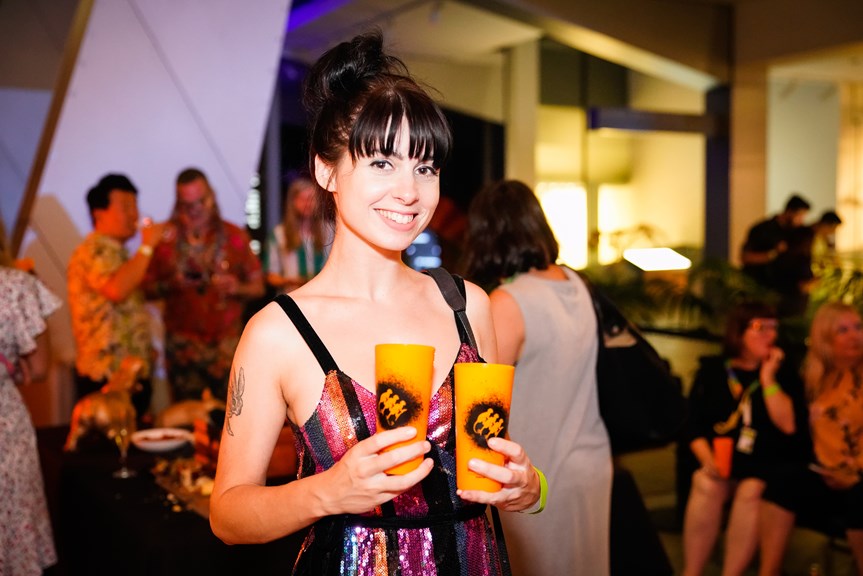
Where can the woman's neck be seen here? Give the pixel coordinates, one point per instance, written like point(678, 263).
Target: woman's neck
point(745, 363)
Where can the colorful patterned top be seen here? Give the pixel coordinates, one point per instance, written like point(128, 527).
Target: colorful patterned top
point(105, 331)
point(425, 531)
point(836, 424)
point(180, 272)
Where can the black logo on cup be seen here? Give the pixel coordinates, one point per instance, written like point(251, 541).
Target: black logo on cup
point(396, 405)
point(484, 421)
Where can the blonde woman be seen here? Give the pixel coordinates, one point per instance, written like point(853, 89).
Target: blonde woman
point(298, 246)
point(833, 373)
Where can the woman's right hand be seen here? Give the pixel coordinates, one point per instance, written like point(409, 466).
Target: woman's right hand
point(359, 480)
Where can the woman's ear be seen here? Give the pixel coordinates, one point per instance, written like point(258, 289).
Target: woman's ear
point(323, 174)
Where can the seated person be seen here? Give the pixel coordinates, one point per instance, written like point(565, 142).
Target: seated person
point(833, 374)
point(737, 396)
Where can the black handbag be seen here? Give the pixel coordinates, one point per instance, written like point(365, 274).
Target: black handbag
point(640, 400)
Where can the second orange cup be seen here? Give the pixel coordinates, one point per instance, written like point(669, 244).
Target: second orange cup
point(403, 383)
point(482, 399)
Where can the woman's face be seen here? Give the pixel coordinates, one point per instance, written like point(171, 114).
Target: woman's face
point(759, 337)
point(385, 200)
point(847, 341)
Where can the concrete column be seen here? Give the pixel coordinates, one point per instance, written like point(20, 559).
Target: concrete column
point(748, 175)
point(521, 110)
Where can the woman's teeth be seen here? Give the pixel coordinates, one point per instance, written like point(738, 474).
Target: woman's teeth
point(396, 217)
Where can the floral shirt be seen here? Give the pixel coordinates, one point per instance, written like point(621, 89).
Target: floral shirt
point(836, 423)
point(105, 331)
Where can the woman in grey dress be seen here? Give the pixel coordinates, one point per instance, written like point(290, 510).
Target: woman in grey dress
point(546, 327)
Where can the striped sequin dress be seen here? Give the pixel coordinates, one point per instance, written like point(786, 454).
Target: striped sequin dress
point(425, 531)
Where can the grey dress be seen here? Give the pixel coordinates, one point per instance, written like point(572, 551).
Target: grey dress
point(555, 416)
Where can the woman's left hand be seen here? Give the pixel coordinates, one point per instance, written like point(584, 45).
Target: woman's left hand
point(521, 486)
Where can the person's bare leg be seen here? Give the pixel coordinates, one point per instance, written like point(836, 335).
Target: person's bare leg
point(702, 520)
point(855, 541)
point(741, 537)
point(775, 526)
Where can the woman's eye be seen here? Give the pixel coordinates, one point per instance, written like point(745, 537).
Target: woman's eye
point(427, 171)
point(380, 164)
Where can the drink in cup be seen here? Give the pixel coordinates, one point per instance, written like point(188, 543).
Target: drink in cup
point(723, 446)
point(482, 399)
point(403, 383)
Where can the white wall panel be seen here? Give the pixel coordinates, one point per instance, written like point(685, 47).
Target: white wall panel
point(158, 85)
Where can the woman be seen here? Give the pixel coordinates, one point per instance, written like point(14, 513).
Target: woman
point(739, 397)
point(540, 310)
point(297, 247)
point(26, 544)
point(378, 143)
point(833, 374)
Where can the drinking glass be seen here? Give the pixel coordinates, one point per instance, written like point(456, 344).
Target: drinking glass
point(121, 432)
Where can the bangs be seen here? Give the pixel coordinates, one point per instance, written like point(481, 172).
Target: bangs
point(377, 126)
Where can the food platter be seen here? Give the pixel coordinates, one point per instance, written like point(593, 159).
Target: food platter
point(161, 439)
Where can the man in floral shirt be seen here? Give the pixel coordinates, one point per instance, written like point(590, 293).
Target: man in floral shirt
point(109, 320)
point(206, 273)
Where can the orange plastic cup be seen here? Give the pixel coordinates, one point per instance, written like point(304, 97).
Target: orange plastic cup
point(483, 393)
point(403, 383)
point(723, 447)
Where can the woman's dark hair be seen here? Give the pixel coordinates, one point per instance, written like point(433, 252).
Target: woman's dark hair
point(357, 97)
point(507, 234)
point(738, 322)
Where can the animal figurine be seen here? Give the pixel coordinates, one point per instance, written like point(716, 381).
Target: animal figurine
point(185, 412)
point(105, 411)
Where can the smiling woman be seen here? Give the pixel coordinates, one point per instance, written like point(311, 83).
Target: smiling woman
point(378, 145)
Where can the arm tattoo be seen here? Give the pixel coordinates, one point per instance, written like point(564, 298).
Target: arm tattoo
point(235, 398)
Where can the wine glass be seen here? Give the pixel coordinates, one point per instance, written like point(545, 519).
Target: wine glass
point(121, 430)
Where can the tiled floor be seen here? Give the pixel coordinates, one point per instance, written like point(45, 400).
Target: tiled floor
point(654, 473)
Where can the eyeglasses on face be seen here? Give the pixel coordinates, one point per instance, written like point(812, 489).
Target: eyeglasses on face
point(764, 324)
point(193, 204)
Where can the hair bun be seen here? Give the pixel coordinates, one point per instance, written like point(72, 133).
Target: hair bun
point(342, 72)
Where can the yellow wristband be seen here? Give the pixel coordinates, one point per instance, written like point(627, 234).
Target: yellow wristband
point(145, 250)
point(771, 390)
point(539, 506)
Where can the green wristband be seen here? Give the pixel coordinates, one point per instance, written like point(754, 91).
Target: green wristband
point(539, 506)
point(771, 390)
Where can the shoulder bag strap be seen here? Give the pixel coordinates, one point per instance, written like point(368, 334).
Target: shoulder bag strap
point(448, 287)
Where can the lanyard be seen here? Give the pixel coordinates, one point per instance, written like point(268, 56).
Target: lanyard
point(744, 406)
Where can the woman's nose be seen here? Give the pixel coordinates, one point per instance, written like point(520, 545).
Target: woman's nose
point(407, 190)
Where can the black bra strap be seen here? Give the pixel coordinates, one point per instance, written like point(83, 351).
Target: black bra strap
point(308, 333)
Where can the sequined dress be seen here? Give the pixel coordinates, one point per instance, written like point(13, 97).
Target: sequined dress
point(425, 531)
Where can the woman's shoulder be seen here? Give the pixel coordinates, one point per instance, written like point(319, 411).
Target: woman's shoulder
point(269, 328)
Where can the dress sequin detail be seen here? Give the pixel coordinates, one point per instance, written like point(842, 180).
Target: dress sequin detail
point(442, 546)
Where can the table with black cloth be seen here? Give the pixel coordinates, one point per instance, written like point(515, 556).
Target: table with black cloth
point(107, 525)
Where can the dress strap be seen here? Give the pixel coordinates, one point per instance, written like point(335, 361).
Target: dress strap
point(308, 333)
